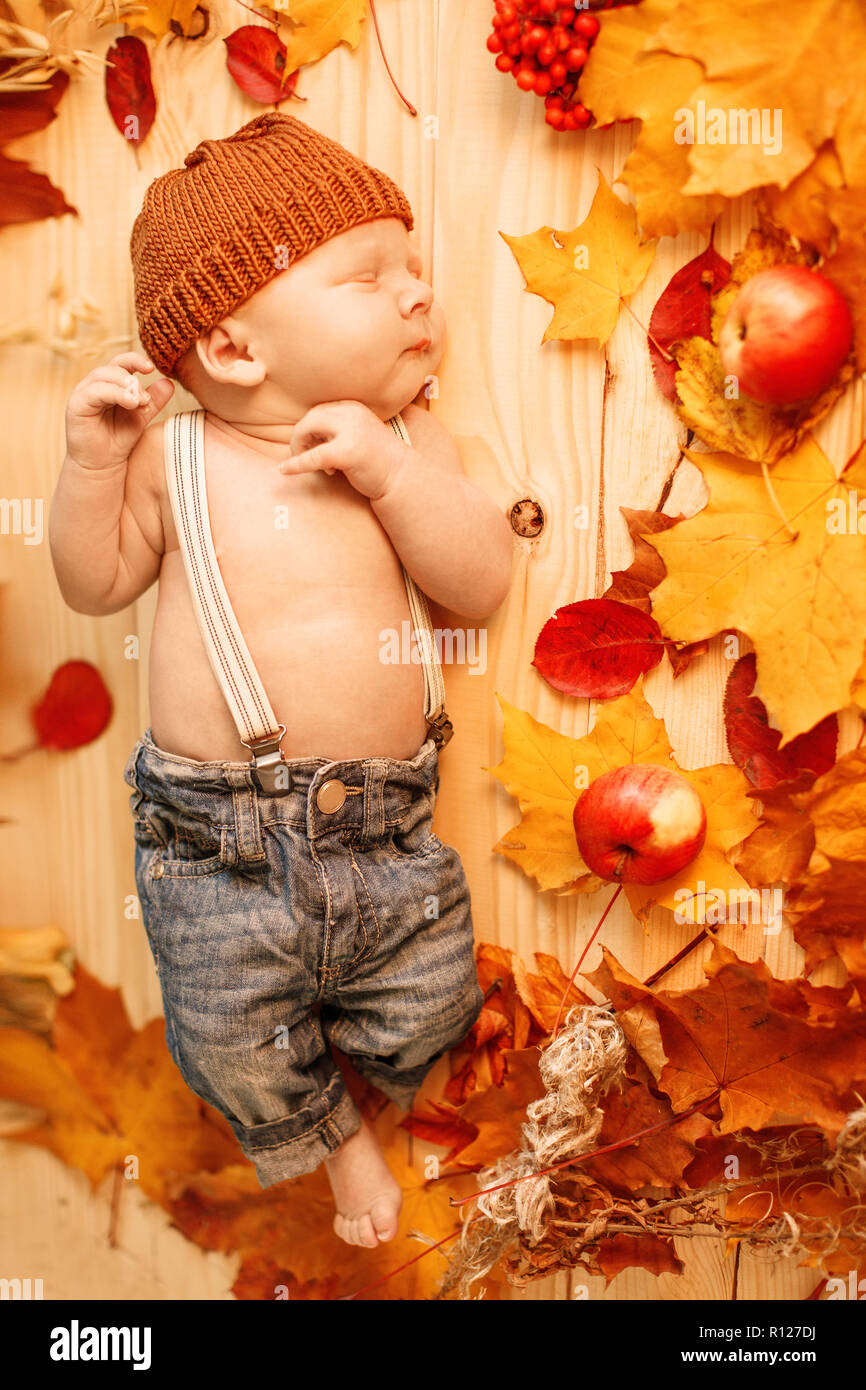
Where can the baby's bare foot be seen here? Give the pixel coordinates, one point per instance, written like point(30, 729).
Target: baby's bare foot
point(367, 1196)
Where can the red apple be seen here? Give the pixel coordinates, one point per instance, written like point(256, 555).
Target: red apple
point(640, 823)
point(786, 335)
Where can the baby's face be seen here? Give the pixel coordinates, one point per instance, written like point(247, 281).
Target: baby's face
point(343, 321)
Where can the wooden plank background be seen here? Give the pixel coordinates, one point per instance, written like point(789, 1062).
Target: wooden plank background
point(562, 423)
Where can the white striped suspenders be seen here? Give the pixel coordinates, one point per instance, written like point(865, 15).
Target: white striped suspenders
point(229, 656)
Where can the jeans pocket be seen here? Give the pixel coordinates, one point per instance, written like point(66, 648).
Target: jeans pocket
point(183, 845)
point(188, 858)
point(414, 839)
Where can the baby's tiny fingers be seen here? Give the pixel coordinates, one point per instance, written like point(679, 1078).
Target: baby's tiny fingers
point(133, 362)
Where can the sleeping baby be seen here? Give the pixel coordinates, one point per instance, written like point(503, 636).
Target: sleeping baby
point(291, 886)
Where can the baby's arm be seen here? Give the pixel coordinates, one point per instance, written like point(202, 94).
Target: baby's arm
point(105, 527)
point(454, 540)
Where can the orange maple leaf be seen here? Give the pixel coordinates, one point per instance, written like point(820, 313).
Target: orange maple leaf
point(742, 1037)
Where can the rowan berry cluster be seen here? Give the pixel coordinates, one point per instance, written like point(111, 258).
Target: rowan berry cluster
point(544, 45)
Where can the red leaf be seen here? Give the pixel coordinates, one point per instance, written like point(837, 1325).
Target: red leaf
point(754, 745)
point(26, 196)
point(257, 61)
point(597, 648)
point(22, 113)
point(128, 88)
point(683, 311)
point(74, 709)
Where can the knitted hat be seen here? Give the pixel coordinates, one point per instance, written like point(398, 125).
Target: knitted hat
point(240, 211)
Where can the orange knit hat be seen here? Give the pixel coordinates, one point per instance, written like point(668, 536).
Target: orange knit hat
point(240, 211)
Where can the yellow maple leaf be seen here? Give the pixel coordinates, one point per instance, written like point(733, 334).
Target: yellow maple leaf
point(320, 26)
point(755, 59)
point(847, 266)
point(110, 1094)
point(75, 1127)
point(547, 771)
point(166, 17)
point(585, 273)
point(802, 600)
point(798, 208)
point(621, 80)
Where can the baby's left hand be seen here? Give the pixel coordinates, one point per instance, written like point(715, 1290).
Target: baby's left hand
point(346, 435)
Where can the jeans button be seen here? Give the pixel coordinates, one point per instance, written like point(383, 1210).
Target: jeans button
point(331, 795)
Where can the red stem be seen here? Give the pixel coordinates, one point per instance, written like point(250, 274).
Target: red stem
point(816, 1292)
point(680, 955)
point(580, 962)
point(20, 753)
point(259, 14)
point(409, 107)
point(657, 345)
point(399, 1270)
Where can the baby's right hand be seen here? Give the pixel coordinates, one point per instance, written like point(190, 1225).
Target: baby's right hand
point(108, 412)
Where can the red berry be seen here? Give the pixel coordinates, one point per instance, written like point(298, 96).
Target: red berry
point(547, 7)
point(558, 72)
point(546, 54)
point(586, 25)
point(505, 62)
point(582, 117)
point(510, 31)
point(575, 58)
point(494, 43)
point(543, 84)
point(525, 80)
point(555, 117)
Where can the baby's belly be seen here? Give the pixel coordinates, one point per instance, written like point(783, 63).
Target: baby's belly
point(324, 662)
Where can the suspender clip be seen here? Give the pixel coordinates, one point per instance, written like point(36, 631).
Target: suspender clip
point(441, 728)
point(270, 768)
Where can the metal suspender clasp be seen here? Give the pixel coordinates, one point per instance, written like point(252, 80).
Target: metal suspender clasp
point(271, 771)
point(441, 728)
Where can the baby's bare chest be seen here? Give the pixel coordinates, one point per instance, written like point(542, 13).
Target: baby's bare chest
point(287, 535)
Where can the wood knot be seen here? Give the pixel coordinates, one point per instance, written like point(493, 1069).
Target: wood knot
point(527, 518)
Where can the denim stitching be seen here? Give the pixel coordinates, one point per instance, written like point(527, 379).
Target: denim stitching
point(372, 907)
point(366, 942)
point(326, 907)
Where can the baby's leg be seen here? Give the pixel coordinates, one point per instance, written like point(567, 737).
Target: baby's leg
point(367, 1196)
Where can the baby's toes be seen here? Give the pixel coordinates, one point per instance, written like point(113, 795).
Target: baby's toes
point(383, 1218)
point(364, 1229)
point(355, 1231)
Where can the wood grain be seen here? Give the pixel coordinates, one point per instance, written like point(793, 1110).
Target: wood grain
point(564, 424)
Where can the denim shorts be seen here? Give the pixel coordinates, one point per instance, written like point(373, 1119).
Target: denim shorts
point(279, 922)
